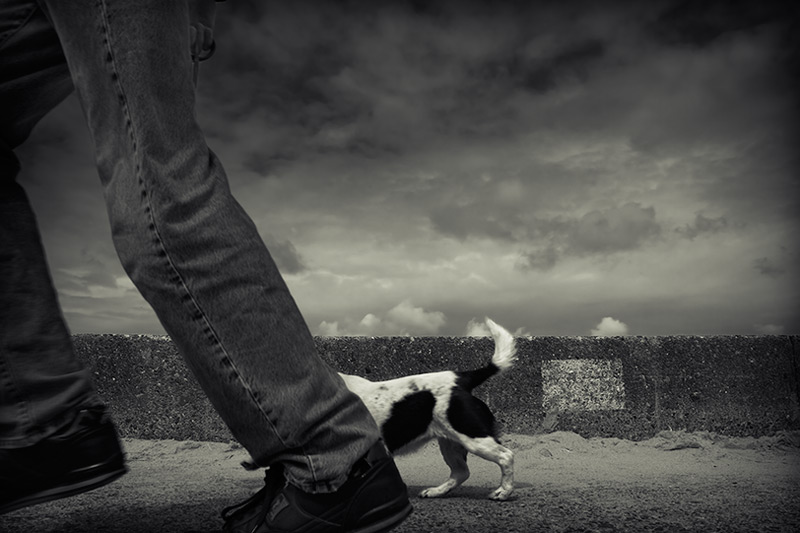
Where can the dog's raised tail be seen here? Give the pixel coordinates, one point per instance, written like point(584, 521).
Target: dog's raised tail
point(505, 354)
point(505, 347)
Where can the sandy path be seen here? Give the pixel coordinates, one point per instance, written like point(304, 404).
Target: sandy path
point(674, 482)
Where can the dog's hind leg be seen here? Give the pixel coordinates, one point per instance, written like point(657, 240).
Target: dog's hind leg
point(488, 448)
point(455, 455)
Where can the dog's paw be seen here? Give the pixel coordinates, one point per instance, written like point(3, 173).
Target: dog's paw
point(500, 494)
point(433, 492)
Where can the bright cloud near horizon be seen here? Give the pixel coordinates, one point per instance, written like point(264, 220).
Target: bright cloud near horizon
point(568, 168)
point(610, 327)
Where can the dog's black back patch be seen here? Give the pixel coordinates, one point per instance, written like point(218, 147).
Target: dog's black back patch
point(470, 416)
point(410, 418)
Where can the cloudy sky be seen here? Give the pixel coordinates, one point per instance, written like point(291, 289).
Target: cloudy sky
point(565, 168)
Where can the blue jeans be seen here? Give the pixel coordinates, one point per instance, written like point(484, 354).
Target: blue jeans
point(188, 246)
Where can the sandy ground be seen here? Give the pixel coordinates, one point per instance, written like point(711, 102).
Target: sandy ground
point(673, 482)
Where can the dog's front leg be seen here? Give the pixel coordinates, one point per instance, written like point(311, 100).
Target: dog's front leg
point(455, 455)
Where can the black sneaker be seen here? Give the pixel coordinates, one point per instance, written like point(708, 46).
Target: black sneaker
point(374, 499)
point(81, 457)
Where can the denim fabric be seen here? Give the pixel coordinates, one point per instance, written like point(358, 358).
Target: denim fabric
point(41, 383)
point(188, 246)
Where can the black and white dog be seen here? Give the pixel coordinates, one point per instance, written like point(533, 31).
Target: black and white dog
point(415, 409)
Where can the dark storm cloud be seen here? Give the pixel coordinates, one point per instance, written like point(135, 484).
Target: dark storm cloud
point(541, 260)
point(703, 225)
point(471, 157)
point(382, 81)
point(699, 23)
point(613, 230)
point(461, 222)
point(768, 267)
point(396, 77)
point(782, 263)
point(598, 232)
point(573, 61)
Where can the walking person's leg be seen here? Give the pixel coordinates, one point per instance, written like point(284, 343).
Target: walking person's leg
point(192, 251)
point(197, 258)
point(47, 401)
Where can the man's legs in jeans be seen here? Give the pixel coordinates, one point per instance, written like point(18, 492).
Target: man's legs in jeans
point(42, 385)
point(55, 440)
point(191, 250)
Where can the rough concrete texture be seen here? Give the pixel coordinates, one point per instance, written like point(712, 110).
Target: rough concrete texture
point(625, 387)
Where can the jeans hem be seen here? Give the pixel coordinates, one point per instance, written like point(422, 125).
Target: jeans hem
point(52, 426)
point(318, 487)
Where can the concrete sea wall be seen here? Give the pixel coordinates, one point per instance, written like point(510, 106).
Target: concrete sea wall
point(626, 387)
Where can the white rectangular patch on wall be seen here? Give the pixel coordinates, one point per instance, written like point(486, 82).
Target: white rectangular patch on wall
point(582, 385)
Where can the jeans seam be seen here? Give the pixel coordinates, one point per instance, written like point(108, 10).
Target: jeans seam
point(212, 335)
point(310, 463)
